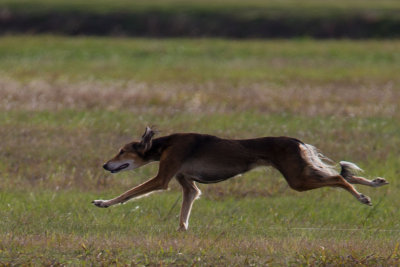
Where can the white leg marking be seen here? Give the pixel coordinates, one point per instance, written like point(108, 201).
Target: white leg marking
point(101, 203)
point(188, 198)
point(365, 199)
point(379, 181)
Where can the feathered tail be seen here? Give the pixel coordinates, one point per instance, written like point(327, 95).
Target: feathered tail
point(349, 169)
point(324, 166)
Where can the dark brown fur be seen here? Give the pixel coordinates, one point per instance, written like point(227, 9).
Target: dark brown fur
point(192, 157)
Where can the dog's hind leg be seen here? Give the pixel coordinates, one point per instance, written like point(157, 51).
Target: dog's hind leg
point(190, 194)
point(361, 180)
point(339, 181)
point(310, 182)
point(348, 170)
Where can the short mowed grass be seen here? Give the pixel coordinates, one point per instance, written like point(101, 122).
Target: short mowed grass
point(68, 104)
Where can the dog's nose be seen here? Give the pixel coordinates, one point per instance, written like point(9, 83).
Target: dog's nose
point(105, 166)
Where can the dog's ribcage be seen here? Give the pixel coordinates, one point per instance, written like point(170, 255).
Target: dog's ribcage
point(206, 165)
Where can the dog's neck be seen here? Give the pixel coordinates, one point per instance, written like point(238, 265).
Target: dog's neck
point(158, 146)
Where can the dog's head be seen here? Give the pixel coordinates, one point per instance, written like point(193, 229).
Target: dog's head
point(131, 155)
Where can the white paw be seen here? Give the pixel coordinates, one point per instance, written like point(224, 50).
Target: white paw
point(379, 181)
point(365, 200)
point(101, 203)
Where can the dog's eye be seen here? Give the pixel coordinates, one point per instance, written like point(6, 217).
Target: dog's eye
point(121, 152)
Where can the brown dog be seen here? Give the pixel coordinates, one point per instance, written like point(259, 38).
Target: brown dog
point(192, 157)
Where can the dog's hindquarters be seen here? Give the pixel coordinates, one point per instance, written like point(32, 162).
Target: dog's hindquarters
point(317, 171)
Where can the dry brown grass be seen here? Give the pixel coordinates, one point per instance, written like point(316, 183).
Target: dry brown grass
point(333, 99)
point(190, 249)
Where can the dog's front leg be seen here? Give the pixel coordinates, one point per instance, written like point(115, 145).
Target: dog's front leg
point(190, 193)
point(168, 168)
point(147, 187)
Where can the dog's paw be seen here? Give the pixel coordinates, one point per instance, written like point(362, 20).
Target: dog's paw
point(101, 203)
point(365, 199)
point(379, 181)
point(182, 228)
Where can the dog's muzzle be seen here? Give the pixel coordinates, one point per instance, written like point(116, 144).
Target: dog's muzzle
point(120, 168)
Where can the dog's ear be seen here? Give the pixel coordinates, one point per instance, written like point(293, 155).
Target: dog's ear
point(146, 142)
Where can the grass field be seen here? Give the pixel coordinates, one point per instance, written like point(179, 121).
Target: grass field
point(68, 104)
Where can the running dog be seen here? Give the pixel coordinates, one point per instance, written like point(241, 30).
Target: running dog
point(202, 158)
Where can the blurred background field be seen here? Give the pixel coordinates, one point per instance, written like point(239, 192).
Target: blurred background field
point(68, 103)
point(222, 18)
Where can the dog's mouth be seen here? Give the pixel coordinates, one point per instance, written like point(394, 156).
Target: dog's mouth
point(120, 168)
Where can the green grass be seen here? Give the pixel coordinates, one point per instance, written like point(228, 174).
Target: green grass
point(199, 61)
point(61, 118)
